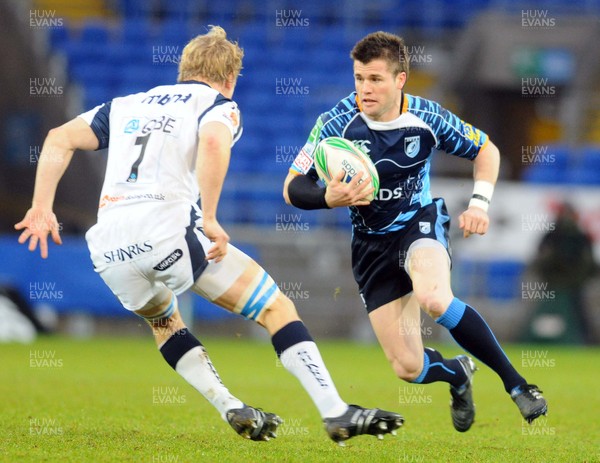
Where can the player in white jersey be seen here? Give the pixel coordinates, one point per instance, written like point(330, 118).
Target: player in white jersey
point(152, 241)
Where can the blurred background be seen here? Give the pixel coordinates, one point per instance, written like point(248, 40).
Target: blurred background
point(527, 73)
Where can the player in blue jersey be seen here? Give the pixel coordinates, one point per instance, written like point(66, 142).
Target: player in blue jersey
point(400, 251)
point(152, 241)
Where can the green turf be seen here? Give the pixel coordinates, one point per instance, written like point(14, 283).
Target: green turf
point(117, 400)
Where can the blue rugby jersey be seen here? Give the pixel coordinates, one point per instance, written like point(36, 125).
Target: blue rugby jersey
point(400, 149)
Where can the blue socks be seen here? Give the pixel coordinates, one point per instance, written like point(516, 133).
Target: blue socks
point(436, 368)
point(474, 335)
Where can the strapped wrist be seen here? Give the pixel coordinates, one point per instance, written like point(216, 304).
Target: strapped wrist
point(482, 195)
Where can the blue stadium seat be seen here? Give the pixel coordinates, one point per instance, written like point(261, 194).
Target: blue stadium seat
point(59, 36)
point(334, 60)
point(129, 88)
point(559, 155)
point(138, 31)
point(265, 201)
point(504, 279)
point(539, 174)
point(590, 157)
point(469, 278)
point(286, 122)
point(175, 32)
point(254, 32)
point(547, 163)
point(95, 94)
point(67, 280)
point(94, 74)
point(180, 9)
point(587, 168)
point(282, 58)
point(80, 53)
point(460, 12)
point(581, 175)
point(144, 75)
point(256, 99)
point(255, 56)
point(138, 8)
point(295, 39)
point(120, 54)
point(95, 32)
point(242, 162)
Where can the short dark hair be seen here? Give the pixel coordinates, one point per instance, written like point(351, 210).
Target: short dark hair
point(382, 45)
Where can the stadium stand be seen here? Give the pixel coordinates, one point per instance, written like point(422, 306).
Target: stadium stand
point(142, 39)
point(116, 47)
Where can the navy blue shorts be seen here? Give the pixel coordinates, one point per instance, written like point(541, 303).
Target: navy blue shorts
point(378, 260)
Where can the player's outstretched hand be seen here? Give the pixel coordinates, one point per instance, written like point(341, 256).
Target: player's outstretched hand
point(36, 225)
point(353, 193)
point(473, 220)
point(215, 233)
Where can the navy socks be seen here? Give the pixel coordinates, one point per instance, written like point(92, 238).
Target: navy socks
point(474, 335)
point(436, 368)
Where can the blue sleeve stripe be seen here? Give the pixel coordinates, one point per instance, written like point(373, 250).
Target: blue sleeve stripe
point(218, 101)
point(448, 128)
point(101, 125)
point(238, 133)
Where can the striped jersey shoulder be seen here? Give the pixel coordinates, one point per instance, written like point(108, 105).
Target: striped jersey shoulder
point(335, 120)
point(454, 135)
point(421, 106)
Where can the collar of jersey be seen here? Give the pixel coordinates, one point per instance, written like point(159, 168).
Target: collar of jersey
point(193, 82)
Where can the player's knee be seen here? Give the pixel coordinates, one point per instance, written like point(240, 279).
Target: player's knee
point(283, 304)
point(282, 308)
point(163, 317)
point(407, 368)
point(432, 302)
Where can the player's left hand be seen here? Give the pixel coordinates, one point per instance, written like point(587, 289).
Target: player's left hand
point(473, 220)
point(219, 237)
point(37, 223)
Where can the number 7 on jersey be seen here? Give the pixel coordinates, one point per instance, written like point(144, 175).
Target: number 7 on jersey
point(133, 175)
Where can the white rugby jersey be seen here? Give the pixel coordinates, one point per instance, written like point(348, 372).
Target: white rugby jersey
point(152, 141)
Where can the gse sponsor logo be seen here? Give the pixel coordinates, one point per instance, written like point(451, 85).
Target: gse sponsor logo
point(386, 194)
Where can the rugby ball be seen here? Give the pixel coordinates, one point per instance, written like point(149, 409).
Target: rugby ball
point(334, 154)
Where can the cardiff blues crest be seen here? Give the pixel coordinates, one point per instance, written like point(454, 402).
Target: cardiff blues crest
point(412, 146)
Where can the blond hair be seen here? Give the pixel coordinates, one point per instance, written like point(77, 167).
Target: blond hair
point(211, 57)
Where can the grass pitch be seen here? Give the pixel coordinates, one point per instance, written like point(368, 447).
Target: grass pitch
point(117, 400)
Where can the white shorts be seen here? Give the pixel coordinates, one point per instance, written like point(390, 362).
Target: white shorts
point(140, 256)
